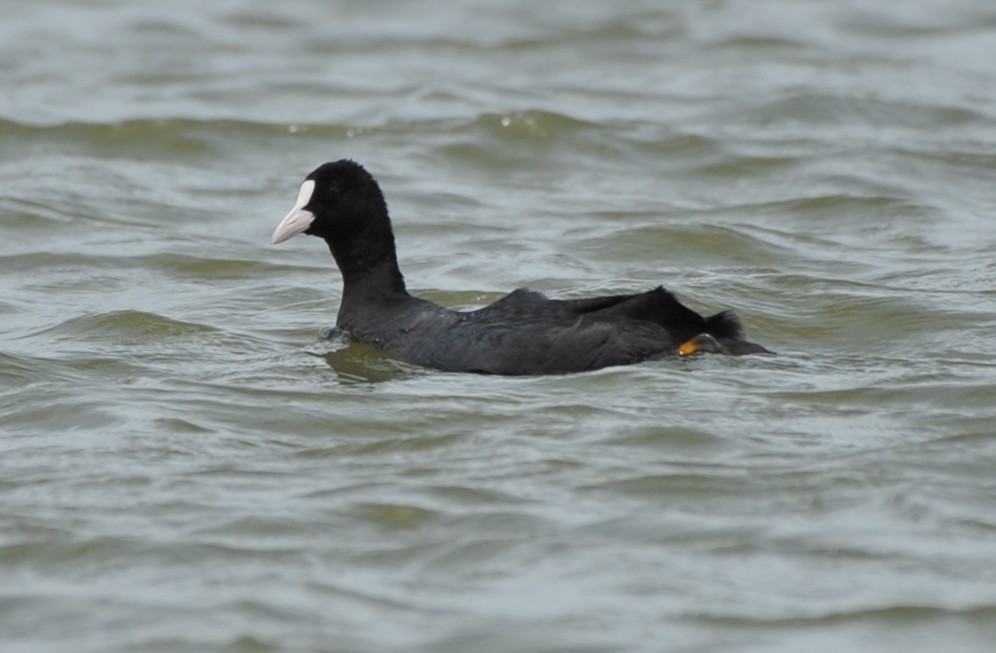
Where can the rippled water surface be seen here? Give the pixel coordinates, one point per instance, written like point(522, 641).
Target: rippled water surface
point(187, 465)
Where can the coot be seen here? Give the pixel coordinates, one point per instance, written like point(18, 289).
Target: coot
point(522, 333)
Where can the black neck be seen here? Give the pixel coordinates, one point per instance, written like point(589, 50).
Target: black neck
point(372, 274)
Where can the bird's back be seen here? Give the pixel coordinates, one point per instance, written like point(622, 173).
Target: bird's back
point(527, 333)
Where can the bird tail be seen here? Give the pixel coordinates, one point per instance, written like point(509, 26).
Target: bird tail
point(725, 325)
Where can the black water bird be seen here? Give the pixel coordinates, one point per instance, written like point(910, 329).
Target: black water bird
point(524, 332)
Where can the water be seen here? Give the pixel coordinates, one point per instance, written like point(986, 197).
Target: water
point(186, 465)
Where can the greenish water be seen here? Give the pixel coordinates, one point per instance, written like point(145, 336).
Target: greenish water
point(186, 465)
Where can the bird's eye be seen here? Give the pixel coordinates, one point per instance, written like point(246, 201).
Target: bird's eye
point(332, 192)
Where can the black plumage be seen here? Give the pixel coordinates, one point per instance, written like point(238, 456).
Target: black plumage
point(521, 333)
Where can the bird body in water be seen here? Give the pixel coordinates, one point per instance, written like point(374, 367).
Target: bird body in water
point(524, 332)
